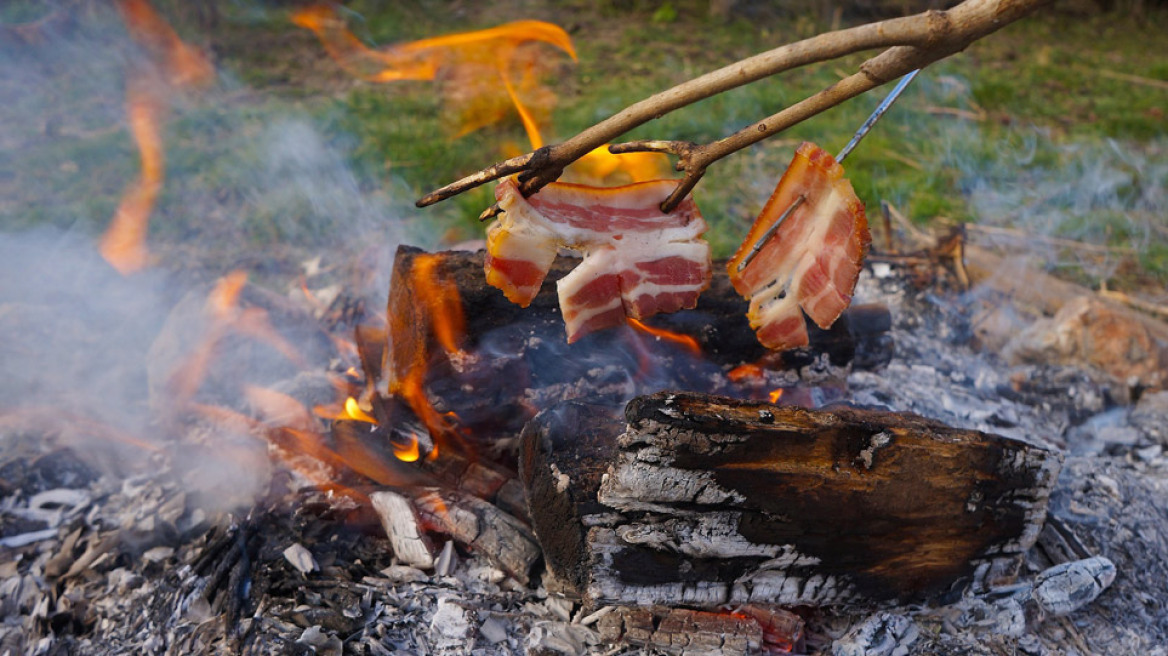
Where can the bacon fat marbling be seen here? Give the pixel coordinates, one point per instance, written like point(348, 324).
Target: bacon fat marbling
point(637, 261)
point(814, 258)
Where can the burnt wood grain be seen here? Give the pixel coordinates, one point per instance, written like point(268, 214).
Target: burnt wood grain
point(710, 500)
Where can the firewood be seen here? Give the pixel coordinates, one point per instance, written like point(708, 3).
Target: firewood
point(686, 632)
point(481, 526)
point(509, 354)
point(564, 452)
point(707, 501)
point(682, 632)
point(400, 520)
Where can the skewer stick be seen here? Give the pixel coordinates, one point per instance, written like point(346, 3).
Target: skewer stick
point(847, 149)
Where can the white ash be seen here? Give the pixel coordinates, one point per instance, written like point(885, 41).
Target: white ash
point(451, 628)
point(301, 558)
point(1067, 587)
point(883, 634)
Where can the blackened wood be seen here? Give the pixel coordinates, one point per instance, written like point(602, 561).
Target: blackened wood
point(714, 501)
point(515, 361)
point(683, 632)
point(752, 502)
point(564, 452)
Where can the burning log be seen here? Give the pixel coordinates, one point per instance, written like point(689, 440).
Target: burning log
point(704, 501)
point(450, 331)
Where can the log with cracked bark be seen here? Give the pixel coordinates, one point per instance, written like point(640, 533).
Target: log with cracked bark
point(702, 501)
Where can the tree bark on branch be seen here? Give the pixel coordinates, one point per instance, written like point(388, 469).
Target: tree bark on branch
point(911, 42)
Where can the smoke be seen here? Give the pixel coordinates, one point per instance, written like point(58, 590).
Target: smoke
point(88, 352)
point(1048, 187)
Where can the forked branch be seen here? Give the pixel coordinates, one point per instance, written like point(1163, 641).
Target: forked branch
point(912, 42)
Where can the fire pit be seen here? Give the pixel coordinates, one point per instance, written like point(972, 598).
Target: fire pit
point(272, 464)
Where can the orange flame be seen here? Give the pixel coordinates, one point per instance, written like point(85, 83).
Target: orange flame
point(226, 317)
point(599, 165)
point(443, 303)
point(685, 341)
point(474, 64)
point(183, 64)
point(294, 435)
point(442, 314)
point(775, 395)
point(353, 411)
point(409, 453)
point(124, 243)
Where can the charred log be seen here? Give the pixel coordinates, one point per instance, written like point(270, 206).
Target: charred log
point(516, 359)
point(686, 632)
point(708, 501)
point(564, 453)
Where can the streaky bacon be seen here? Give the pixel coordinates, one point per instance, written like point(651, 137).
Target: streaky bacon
point(812, 261)
point(637, 261)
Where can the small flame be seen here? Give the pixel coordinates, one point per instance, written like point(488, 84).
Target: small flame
point(124, 243)
point(485, 70)
point(180, 65)
point(443, 302)
point(685, 341)
point(353, 411)
point(775, 395)
point(183, 64)
point(409, 453)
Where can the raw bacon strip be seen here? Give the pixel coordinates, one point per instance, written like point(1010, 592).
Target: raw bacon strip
point(814, 258)
point(637, 261)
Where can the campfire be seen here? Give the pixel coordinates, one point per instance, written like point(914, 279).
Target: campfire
point(584, 435)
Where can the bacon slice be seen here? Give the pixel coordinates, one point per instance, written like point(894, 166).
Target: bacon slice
point(637, 261)
point(814, 258)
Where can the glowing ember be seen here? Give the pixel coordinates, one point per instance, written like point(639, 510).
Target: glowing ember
point(685, 341)
point(486, 72)
point(775, 395)
point(178, 65)
point(745, 372)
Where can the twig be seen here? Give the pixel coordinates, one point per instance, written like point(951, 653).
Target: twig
point(912, 42)
point(1127, 77)
point(1054, 241)
point(1131, 301)
point(978, 115)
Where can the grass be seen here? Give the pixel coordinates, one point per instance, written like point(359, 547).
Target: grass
point(1055, 124)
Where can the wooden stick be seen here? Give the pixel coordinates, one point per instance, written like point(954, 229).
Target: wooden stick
point(912, 42)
